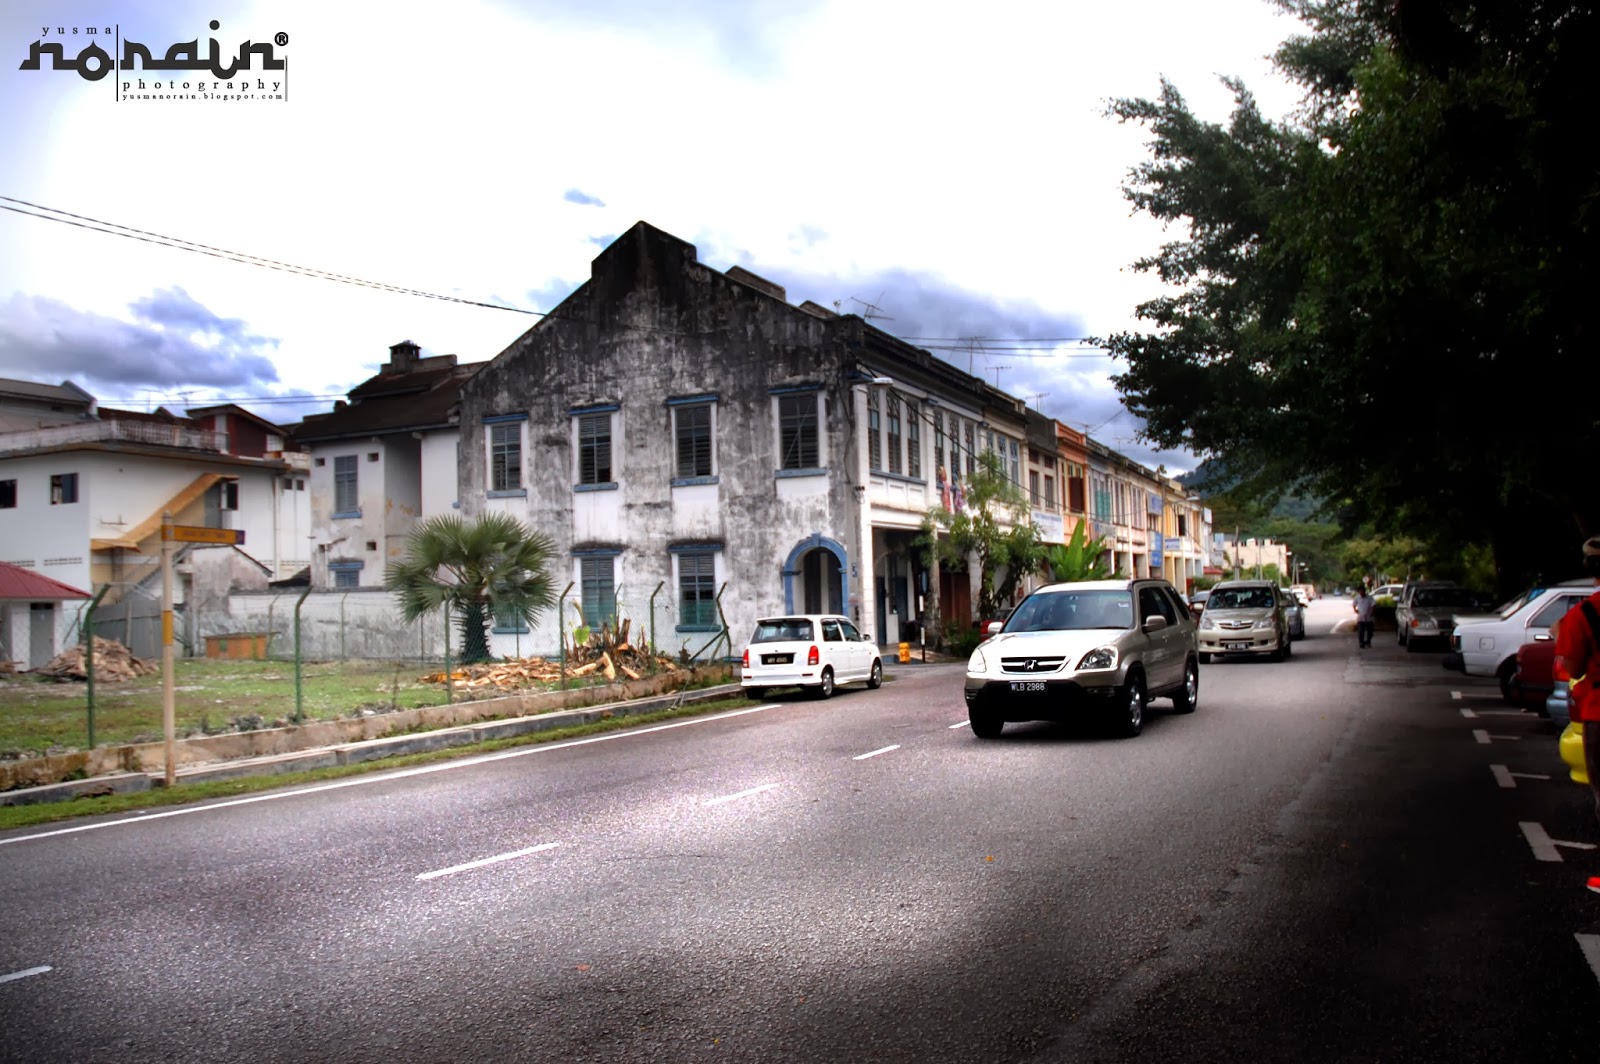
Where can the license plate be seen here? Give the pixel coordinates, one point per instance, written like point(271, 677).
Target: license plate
point(1236, 645)
point(777, 659)
point(1027, 685)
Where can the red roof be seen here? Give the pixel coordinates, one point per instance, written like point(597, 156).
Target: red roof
point(19, 583)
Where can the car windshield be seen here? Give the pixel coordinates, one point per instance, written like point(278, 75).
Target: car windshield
point(1442, 596)
point(1505, 611)
point(783, 630)
point(1066, 611)
point(1240, 598)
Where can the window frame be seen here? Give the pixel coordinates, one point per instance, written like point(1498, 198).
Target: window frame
point(683, 434)
point(913, 440)
point(63, 489)
point(503, 438)
point(8, 494)
point(347, 485)
point(588, 466)
point(895, 442)
point(702, 617)
point(597, 615)
point(793, 458)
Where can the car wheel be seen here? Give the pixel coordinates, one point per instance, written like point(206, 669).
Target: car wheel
point(875, 679)
point(757, 693)
point(1507, 670)
point(1288, 648)
point(825, 688)
point(1280, 651)
point(1205, 659)
point(1185, 698)
point(985, 725)
point(1133, 703)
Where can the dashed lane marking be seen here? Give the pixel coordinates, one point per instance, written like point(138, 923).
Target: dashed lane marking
point(1456, 695)
point(958, 724)
point(741, 794)
point(1508, 779)
point(496, 859)
point(40, 970)
point(1485, 738)
point(1543, 846)
point(1465, 712)
point(1590, 944)
point(875, 753)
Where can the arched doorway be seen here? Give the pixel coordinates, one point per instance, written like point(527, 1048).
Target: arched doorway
point(814, 577)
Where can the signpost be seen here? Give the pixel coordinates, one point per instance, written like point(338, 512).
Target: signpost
point(172, 534)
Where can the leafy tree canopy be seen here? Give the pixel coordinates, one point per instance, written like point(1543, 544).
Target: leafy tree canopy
point(1382, 299)
point(992, 526)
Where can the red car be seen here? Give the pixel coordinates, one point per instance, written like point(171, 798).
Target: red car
point(1534, 679)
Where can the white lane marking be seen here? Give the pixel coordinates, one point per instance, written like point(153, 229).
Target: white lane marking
point(959, 724)
point(741, 794)
point(1500, 713)
point(875, 753)
point(1502, 776)
point(1465, 712)
point(1485, 738)
point(1543, 846)
point(25, 973)
point(496, 859)
point(1590, 944)
point(1456, 695)
point(144, 817)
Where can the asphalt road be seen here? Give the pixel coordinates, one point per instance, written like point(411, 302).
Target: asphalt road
point(1320, 864)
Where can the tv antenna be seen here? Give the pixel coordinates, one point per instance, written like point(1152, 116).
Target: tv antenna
point(1036, 396)
point(872, 309)
point(997, 370)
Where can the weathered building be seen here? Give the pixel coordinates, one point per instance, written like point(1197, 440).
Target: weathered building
point(684, 434)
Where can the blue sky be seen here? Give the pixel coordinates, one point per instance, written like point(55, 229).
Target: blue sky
point(947, 164)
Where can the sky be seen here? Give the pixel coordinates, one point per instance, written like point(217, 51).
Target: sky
point(947, 170)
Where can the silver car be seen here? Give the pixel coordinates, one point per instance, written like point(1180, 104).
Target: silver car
point(1247, 617)
point(1101, 647)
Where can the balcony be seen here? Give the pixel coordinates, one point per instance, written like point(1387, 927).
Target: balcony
point(146, 433)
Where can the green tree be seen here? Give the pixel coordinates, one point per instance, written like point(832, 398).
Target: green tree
point(1080, 558)
point(478, 570)
point(993, 527)
point(1421, 230)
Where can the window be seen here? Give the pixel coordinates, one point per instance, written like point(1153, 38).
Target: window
point(1556, 610)
point(692, 430)
point(972, 448)
point(1050, 493)
point(1016, 462)
point(874, 426)
point(509, 622)
point(345, 573)
point(505, 456)
point(8, 494)
point(287, 483)
point(228, 495)
point(63, 488)
point(938, 444)
point(894, 434)
point(1152, 603)
point(1183, 525)
point(797, 431)
point(1033, 487)
point(594, 448)
point(697, 591)
point(599, 592)
point(346, 500)
point(955, 447)
point(851, 635)
point(913, 441)
point(831, 633)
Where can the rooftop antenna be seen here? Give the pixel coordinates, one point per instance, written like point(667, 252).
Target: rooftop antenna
point(973, 347)
point(1036, 396)
point(997, 370)
point(873, 309)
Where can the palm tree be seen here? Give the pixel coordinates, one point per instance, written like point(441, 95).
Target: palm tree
point(1080, 558)
point(492, 567)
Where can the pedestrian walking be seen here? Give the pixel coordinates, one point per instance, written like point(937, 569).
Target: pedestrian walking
point(1578, 662)
point(1365, 606)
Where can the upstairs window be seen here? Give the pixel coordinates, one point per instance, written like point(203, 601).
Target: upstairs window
point(874, 428)
point(692, 432)
point(505, 456)
point(797, 431)
point(346, 498)
point(913, 441)
point(63, 488)
point(8, 494)
point(894, 434)
point(594, 449)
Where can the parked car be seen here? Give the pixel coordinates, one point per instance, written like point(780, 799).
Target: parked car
point(1533, 682)
point(1245, 617)
point(1306, 593)
point(1197, 603)
point(1558, 706)
point(1388, 591)
point(1488, 646)
point(815, 651)
point(1295, 611)
point(998, 621)
point(1427, 615)
point(1076, 649)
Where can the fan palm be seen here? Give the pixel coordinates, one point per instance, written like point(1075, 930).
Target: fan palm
point(492, 567)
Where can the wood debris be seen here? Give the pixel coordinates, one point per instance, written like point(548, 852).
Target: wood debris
point(605, 652)
point(113, 663)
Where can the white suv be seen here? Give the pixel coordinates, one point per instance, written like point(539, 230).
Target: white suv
point(1488, 646)
point(1071, 649)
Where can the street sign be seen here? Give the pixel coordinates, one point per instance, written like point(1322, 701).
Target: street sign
point(199, 534)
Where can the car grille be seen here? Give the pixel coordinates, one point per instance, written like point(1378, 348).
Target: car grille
point(1033, 665)
point(1235, 626)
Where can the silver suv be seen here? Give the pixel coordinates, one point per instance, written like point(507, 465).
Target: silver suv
point(1105, 646)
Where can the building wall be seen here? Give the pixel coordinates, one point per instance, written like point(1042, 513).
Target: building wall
point(440, 472)
point(50, 539)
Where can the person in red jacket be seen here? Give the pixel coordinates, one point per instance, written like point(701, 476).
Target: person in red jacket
point(1578, 660)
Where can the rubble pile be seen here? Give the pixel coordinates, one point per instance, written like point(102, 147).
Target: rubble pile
point(113, 663)
point(605, 652)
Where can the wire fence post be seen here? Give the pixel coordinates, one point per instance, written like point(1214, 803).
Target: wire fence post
point(86, 633)
point(561, 633)
point(342, 599)
point(449, 682)
point(299, 698)
point(653, 595)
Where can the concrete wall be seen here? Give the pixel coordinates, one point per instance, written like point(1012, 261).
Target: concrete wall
point(50, 539)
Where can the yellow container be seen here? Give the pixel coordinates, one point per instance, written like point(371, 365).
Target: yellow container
point(905, 653)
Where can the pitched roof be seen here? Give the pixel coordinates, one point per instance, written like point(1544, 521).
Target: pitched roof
point(393, 402)
point(19, 583)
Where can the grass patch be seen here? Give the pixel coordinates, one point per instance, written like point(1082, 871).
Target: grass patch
point(20, 816)
point(39, 715)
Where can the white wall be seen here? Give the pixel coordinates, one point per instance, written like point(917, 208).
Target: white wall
point(440, 472)
point(53, 540)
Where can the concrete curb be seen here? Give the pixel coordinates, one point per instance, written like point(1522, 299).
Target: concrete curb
point(95, 787)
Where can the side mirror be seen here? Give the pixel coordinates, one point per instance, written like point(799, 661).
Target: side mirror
point(993, 627)
point(1154, 624)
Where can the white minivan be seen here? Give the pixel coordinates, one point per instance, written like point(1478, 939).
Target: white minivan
point(814, 651)
point(1488, 646)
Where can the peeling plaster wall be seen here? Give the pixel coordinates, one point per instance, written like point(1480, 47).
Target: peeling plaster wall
point(653, 324)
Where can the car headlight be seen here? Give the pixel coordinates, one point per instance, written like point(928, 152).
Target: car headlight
point(976, 662)
point(1266, 623)
point(1424, 622)
point(1207, 624)
point(1098, 659)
